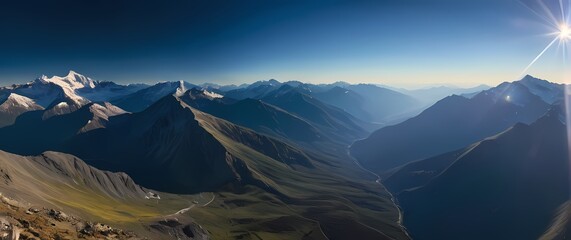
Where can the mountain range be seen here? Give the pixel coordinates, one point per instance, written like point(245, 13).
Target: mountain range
point(449, 124)
point(521, 172)
point(284, 156)
point(284, 160)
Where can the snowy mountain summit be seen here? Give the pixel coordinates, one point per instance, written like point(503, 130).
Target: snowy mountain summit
point(15, 100)
point(73, 81)
point(15, 105)
point(70, 84)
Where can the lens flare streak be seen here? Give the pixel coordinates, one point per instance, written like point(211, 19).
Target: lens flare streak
point(560, 24)
point(539, 55)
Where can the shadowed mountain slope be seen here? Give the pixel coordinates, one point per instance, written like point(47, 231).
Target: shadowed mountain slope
point(450, 124)
point(142, 99)
point(491, 189)
point(32, 134)
point(330, 119)
point(256, 115)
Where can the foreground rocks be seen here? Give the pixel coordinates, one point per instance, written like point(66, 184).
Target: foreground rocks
point(19, 222)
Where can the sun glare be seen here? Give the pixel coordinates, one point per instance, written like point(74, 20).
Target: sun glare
point(564, 31)
point(561, 29)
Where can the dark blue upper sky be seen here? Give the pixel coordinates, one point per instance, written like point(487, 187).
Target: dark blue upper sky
point(398, 42)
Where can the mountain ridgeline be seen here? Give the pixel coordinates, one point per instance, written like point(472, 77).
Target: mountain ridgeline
point(490, 189)
point(285, 160)
point(449, 124)
point(271, 164)
point(482, 166)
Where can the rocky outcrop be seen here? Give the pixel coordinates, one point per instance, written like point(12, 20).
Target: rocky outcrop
point(19, 222)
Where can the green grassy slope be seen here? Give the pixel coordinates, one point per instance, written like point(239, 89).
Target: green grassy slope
point(344, 199)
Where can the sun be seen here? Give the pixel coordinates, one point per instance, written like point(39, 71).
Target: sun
point(560, 26)
point(564, 31)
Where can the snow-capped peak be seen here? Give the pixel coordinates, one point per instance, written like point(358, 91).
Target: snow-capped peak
point(15, 99)
point(70, 84)
point(212, 94)
point(73, 81)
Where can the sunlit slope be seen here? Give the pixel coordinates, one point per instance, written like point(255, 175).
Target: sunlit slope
point(64, 182)
point(339, 202)
point(561, 225)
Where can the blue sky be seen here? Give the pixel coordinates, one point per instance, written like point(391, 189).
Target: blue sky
point(409, 43)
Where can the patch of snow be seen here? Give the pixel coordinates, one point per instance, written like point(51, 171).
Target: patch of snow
point(106, 111)
point(152, 195)
point(180, 89)
point(62, 105)
point(212, 94)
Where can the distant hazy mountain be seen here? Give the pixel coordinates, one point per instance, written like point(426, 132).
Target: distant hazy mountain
point(221, 88)
point(140, 100)
point(13, 106)
point(345, 99)
point(368, 102)
point(255, 90)
point(254, 114)
point(333, 120)
point(548, 91)
point(509, 186)
point(430, 95)
point(451, 123)
point(365, 101)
